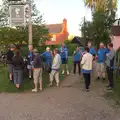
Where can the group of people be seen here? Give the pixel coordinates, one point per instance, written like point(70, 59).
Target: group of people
point(51, 62)
point(104, 58)
point(36, 63)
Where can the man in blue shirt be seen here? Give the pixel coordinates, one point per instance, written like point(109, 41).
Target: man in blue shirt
point(48, 58)
point(91, 49)
point(76, 59)
point(64, 58)
point(101, 56)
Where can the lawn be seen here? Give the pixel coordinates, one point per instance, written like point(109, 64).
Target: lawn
point(7, 86)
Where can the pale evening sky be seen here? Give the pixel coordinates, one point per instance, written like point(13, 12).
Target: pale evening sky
point(73, 10)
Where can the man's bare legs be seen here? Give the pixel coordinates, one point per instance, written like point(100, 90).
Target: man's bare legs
point(65, 66)
point(11, 76)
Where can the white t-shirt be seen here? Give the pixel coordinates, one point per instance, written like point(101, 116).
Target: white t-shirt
point(87, 61)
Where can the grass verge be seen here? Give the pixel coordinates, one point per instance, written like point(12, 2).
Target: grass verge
point(7, 86)
point(115, 94)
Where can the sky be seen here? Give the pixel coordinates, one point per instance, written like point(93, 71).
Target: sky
point(73, 10)
point(56, 10)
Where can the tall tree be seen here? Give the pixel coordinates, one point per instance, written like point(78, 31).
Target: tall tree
point(102, 22)
point(40, 33)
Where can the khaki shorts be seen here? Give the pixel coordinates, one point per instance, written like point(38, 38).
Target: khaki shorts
point(101, 67)
point(37, 74)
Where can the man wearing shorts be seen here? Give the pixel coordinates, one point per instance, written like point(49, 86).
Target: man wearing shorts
point(37, 71)
point(101, 55)
point(64, 58)
point(10, 55)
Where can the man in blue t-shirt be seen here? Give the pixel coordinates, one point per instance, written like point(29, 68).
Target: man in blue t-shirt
point(64, 58)
point(101, 56)
point(76, 59)
point(91, 49)
point(47, 55)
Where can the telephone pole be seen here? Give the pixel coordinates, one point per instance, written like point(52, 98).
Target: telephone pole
point(30, 42)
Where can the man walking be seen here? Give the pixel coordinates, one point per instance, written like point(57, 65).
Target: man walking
point(110, 58)
point(87, 67)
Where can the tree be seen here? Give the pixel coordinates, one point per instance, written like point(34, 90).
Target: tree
point(87, 30)
point(102, 22)
point(40, 32)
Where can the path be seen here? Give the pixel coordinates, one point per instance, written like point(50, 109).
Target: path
point(68, 102)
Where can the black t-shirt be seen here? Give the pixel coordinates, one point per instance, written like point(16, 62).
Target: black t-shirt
point(10, 55)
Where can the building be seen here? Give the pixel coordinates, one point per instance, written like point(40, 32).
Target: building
point(116, 35)
point(58, 33)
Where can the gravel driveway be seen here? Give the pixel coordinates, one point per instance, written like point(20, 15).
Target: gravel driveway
point(69, 102)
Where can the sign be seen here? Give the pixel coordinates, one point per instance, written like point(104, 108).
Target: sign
point(17, 15)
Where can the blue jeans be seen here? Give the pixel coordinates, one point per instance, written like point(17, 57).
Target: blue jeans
point(18, 76)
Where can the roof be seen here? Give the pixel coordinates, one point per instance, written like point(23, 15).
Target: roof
point(116, 42)
point(54, 28)
point(116, 30)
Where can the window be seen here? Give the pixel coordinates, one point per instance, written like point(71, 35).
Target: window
point(54, 38)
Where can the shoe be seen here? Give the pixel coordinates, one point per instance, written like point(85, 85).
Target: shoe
point(40, 89)
point(68, 73)
point(87, 90)
point(30, 77)
point(98, 78)
point(57, 84)
point(50, 84)
point(109, 88)
point(63, 72)
point(34, 90)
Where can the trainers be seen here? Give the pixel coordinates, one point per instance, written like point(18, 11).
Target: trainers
point(34, 90)
point(87, 90)
point(98, 78)
point(109, 88)
point(103, 79)
point(40, 89)
point(50, 84)
point(57, 84)
point(68, 73)
point(63, 72)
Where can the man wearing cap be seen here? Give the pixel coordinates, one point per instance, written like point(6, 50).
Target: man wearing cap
point(64, 58)
point(101, 55)
point(10, 55)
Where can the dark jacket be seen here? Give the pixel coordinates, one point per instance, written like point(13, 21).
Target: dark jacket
point(37, 63)
point(10, 55)
point(18, 63)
